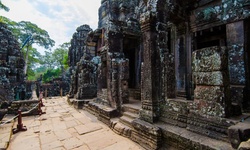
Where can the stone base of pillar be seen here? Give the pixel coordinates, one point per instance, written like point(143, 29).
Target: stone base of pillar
point(146, 134)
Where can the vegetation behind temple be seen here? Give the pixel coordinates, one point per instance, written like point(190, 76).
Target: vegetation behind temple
point(52, 64)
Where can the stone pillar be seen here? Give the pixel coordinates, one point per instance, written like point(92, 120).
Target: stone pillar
point(150, 72)
point(235, 42)
point(170, 65)
point(114, 84)
point(211, 95)
point(114, 56)
point(123, 81)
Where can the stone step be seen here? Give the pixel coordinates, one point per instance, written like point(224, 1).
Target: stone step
point(131, 109)
point(130, 115)
point(120, 128)
point(135, 93)
point(126, 121)
point(78, 104)
point(181, 94)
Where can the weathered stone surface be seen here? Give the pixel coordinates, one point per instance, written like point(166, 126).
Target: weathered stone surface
point(239, 133)
point(244, 145)
point(225, 11)
point(153, 134)
point(195, 44)
point(209, 59)
point(216, 78)
point(56, 87)
point(236, 64)
point(82, 66)
point(210, 93)
point(12, 86)
point(210, 108)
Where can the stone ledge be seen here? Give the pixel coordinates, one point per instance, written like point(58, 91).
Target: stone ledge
point(181, 138)
point(147, 135)
point(239, 133)
point(104, 113)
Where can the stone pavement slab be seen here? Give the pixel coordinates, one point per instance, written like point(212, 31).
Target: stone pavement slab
point(6, 131)
point(87, 128)
point(65, 128)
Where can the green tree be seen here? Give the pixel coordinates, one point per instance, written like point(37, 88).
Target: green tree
point(34, 61)
point(50, 74)
point(47, 61)
point(2, 6)
point(60, 56)
point(30, 33)
point(27, 34)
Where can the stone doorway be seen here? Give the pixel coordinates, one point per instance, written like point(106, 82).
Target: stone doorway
point(131, 50)
point(181, 68)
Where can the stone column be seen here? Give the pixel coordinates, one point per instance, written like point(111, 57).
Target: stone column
point(149, 89)
point(123, 81)
point(235, 42)
point(211, 96)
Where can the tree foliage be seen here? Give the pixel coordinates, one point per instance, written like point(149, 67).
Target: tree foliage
point(50, 74)
point(60, 56)
point(2, 6)
point(39, 36)
point(56, 62)
point(52, 64)
point(27, 34)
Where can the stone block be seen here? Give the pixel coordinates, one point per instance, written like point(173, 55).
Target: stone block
point(239, 133)
point(208, 108)
point(146, 134)
point(209, 59)
point(179, 106)
point(210, 93)
point(216, 78)
point(244, 145)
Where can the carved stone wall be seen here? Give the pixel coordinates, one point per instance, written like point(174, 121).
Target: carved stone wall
point(12, 85)
point(77, 50)
point(214, 74)
point(56, 87)
point(86, 77)
point(78, 45)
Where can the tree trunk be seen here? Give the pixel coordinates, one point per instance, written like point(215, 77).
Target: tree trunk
point(26, 60)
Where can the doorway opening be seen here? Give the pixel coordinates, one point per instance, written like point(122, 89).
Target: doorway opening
point(131, 52)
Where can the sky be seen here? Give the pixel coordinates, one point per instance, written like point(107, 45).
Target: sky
point(59, 18)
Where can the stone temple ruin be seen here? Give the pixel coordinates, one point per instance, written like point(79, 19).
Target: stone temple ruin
point(12, 78)
point(170, 73)
point(167, 74)
point(13, 83)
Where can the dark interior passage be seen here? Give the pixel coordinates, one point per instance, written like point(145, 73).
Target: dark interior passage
point(131, 51)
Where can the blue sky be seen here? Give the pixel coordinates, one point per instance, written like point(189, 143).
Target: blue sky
point(59, 17)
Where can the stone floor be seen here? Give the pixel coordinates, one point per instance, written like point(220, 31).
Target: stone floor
point(64, 128)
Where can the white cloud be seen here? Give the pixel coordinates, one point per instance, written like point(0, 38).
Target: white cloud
point(59, 17)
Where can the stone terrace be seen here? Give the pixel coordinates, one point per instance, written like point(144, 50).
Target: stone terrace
point(63, 127)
